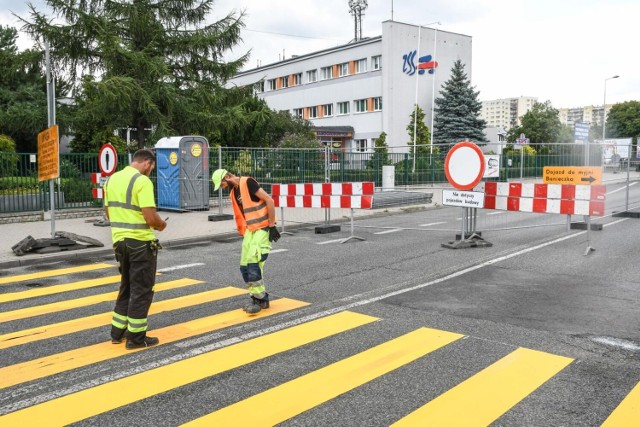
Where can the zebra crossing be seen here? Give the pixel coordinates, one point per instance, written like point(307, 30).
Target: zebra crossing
point(480, 399)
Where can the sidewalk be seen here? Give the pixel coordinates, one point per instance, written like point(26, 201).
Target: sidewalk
point(182, 228)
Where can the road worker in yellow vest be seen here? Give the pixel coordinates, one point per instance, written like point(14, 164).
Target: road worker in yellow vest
point(255, 216)
point(131, 209)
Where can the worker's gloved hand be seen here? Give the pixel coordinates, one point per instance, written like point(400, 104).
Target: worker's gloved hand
point(274, 234)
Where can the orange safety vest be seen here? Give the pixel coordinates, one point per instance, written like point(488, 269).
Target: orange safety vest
point(253, 215)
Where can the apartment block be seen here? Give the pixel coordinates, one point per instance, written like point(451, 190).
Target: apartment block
point(506, 113)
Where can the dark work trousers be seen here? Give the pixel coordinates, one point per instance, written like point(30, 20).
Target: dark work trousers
point(138, 263)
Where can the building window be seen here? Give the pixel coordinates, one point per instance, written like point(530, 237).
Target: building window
point(297, 79)
point(377, 104)
point(360, 105)
point(343, 108)
point(259, 86)
point(285, 82)
point(360, 144)
point(327, 110)
point(376, 62)
point(298, 112)
point(271, 84)
point(343, 69)
point(312, 76)
point(361, 66)
point(313, 112)
point(326, 73)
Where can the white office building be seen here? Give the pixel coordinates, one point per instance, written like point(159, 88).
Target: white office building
point(352, 93)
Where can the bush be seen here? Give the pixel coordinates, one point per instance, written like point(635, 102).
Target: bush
point(8, 157)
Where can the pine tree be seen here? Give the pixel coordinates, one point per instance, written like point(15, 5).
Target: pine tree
point(380, 155)
point(421, 132)
point(146, 64)
point(457, 112)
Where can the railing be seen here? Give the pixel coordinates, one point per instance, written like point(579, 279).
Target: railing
point(20, 190)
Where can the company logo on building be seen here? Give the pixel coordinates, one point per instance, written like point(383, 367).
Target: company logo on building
point(425, 63)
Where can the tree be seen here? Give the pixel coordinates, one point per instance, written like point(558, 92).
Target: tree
point(541, 124)
point(457, 111)
point(380, 155)
point(419, 131)
point(152, 65)
point(23, 92)
point(623, 121)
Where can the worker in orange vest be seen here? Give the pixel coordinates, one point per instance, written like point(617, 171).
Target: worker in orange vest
point(255, 216)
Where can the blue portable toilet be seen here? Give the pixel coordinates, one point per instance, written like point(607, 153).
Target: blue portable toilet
point(182, 168)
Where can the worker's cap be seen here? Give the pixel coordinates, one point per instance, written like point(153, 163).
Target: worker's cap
point(217, 176)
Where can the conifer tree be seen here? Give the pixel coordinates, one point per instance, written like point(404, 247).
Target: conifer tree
point(457, 111)
point(154, 65)
point(380, 155)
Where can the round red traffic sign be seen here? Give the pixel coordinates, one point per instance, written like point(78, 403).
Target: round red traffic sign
point(107, 159)
point(464, 165)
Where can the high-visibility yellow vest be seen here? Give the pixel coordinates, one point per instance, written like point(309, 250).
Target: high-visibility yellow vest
point(126, 192)
point(256, 214)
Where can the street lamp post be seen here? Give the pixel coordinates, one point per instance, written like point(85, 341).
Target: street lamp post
point(604, 108)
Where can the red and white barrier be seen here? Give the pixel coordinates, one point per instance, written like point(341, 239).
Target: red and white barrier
point(97, 178)
point(544, 198)
point(352, 195)
point(357, 195)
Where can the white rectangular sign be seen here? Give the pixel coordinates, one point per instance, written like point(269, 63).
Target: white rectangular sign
point(491, 166)
point(465, 199)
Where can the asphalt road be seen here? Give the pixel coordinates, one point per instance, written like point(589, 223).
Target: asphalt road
point(529, 331)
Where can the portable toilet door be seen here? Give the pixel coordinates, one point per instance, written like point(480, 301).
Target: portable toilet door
point(194, 173)
point(168, 173)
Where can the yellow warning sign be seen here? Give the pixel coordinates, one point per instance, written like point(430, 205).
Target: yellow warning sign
point(572, 175)
point(48, 164)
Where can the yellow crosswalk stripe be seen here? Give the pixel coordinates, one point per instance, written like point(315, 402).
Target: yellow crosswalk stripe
point(72, 359)
point(51, 273)
point(104, 319)
point(628, 411)
point(39, 310)
point(484, 397)
point(96, 400)
point(50, 290)
point(303, 393)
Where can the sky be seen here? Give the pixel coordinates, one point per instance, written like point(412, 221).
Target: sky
point(562, 51)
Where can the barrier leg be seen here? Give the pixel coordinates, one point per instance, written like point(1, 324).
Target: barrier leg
point(352, 236)
point(282, 218)
point(589, 248)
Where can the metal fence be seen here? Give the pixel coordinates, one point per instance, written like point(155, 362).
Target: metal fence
point(20, 190)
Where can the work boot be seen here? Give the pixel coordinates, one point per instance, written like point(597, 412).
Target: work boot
point(147, 342)
point(257, 304)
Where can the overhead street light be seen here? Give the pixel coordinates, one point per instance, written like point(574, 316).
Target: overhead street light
point(604, 108)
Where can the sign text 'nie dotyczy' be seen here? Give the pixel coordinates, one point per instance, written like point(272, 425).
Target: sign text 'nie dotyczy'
point(465, 199)
point(572, 175)
point(48, 165)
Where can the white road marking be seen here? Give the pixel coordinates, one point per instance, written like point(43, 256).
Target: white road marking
point(388, 231)
point(495, 213)
point(180, 267)
point(624, 187)
point(275, 251)
point(617, 342)
point(432, 223)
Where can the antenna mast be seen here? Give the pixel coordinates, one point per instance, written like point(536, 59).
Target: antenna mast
point(357, 7)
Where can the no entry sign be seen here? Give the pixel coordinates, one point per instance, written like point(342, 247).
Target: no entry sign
point(464, 165)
